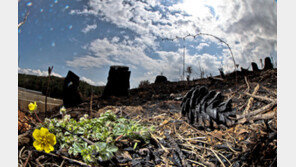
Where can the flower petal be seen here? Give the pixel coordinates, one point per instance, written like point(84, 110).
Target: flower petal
point(48, 148)
point(51, 138)
point(38, 146)
point(36, 134)
point(43, 132)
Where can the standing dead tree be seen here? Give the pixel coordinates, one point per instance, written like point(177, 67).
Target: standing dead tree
point(206, 34)
point(47, 88)
point(189, 72)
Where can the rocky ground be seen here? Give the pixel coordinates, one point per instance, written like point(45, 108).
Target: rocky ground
point(251, 141)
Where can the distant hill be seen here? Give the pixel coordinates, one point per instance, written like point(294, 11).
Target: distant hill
point(39, 83)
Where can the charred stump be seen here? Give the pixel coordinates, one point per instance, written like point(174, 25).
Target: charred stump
point(267, 64)
point(244, 71)
point(118, 82)
point(222, 75)
point(207, 109)
point(71, 96)
point(160, 79)
point(255, 67)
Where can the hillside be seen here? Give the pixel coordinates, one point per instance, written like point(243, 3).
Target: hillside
point(39, 83)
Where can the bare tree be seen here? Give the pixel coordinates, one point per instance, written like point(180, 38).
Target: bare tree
point(189, 72)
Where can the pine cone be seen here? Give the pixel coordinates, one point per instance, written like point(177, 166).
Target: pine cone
point(206, 109)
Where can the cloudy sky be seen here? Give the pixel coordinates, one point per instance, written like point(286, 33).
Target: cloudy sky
point(87, 36)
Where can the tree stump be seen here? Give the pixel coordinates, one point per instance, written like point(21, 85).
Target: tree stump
point(255, 67)
point(160, 79)
point(71, 96)
point(267, 64)
point(118, 82)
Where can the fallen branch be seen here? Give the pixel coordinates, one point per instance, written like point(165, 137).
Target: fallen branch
point(265, 116)
point(261, 97)
point(254, 113)
point(250, 102)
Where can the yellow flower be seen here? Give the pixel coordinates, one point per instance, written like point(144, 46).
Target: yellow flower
point(32, 106)
point(44, 140)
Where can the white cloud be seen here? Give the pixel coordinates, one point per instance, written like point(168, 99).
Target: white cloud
point(91, 82)
point(248, 26)
point(36, 72)
point(89, 28)
point(202, 45)
point(106, 53)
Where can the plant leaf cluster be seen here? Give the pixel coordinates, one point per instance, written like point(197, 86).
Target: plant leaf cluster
point(102, 132)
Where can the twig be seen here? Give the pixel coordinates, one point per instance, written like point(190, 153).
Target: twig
point(265, 116)
point(261, 110)
point(270, 91)
point(246, 111)
point(198, 163)
point(69, 159)
point(29, 155)
point(62, 163)
point(23, 22)
point(38, 160)
point(218, 158)
point(153, 137)
point(21, 151)
point(248, 85)
point(261, 97)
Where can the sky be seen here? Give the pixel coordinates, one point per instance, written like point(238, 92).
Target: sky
point(88, 36)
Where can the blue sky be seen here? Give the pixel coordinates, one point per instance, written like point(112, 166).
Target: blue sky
point(87, 36)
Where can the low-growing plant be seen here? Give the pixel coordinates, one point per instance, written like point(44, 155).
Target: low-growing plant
point(94, 139)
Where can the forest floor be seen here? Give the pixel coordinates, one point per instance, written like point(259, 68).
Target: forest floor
point(252, 141)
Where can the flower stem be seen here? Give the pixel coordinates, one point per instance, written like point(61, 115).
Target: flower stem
point(38, 118)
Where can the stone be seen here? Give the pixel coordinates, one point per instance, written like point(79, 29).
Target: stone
point(255, 67)
point(71, 96)
point(118, 82)
point(160, 79)
point(267, 64)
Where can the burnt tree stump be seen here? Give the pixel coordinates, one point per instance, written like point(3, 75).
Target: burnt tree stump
point(71, 96)
point(118, 82)
point(255, 67)
point(160, 79)
point(267, 64)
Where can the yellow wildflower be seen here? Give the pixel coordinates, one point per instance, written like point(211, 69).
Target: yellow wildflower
point(32, 106)
point(44, 140)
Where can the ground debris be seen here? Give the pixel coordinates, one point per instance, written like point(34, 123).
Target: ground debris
point(252, 141)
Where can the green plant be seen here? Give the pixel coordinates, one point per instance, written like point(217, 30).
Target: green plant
point(94, 139)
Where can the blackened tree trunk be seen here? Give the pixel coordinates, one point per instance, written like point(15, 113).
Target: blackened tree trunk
point(267, 64)
point(160, 79)
point(71, 96)
point(118, 82)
